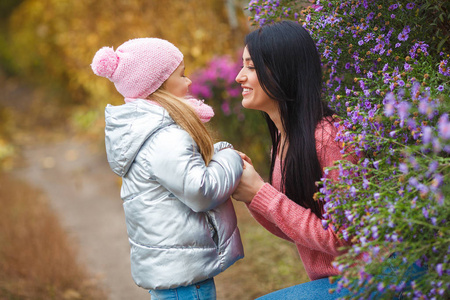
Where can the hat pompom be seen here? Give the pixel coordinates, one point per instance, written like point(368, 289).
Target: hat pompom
point(105, 62)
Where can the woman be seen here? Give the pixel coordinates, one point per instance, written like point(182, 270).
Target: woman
point(281, 76)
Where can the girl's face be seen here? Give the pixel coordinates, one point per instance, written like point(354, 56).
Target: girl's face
point(253, 95)
point(178, 84)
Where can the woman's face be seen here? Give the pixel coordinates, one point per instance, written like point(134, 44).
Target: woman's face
point(253, 95)
point(178, 84)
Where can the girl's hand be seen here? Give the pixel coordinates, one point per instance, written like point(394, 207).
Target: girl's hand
point(249, 185)
point(244, 157)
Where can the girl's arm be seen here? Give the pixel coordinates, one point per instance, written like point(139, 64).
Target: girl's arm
point(178, 166)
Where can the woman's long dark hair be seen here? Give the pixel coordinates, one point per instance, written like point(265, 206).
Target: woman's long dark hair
point(289, 70)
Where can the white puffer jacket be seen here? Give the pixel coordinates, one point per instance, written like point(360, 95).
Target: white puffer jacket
point(181, 223)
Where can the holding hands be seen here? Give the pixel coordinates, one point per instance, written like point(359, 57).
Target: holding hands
point(250, 182)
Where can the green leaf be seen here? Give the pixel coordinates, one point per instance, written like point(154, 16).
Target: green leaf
point(441, 43)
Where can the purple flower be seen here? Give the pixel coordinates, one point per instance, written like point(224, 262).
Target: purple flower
point(437, 181)
point(369, 37)
point(413, 182)
point(375, 232)
point(427, 134)
point(403, 36)
point(365, 183)
point(378, 47)
point(403, 110)
point(348, 214)
point(392, 16)
point(389, 105)
point(345, 234)
point(425, 212)
point(325, 224)
point(394, 6)
point(376, 164)
point(407, 67)
point(443, 68)
point(403, 168)
point(440, 88)
point(316, 7)
point(444, 127)
point(433, 166)
point(424, 108)
point(439, 269)
point(410, 5)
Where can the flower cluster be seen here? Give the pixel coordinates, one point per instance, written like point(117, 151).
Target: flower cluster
point(219, 77)
point(388, 79)
point(266, 11)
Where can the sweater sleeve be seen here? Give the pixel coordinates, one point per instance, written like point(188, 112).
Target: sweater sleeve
point(271, 227)
point(285, 218)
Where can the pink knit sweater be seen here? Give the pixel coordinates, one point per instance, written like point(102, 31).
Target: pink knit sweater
point(286, 219)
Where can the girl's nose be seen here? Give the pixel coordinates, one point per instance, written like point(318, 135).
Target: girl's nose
point(240, 77)
point(189, 81)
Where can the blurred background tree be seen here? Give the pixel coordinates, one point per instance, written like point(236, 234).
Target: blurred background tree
point(51, 43)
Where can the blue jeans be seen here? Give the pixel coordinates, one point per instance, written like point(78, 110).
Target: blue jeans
point(318, 289)
point(205, 290)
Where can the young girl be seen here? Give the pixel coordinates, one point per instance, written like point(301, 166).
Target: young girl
point(281, 76)
point(176, 184)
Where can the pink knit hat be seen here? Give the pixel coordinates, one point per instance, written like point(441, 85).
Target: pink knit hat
point(138, 67)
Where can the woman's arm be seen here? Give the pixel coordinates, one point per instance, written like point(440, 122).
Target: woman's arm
point(278, 213)
point(249, 186)
point(299, 224)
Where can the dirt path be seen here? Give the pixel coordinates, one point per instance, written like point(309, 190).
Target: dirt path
point(85, 194)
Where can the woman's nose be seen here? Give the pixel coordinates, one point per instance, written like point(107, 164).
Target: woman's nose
point(240, 77)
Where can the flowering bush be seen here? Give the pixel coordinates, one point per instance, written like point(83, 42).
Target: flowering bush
point(387, 75)
point(216, 84)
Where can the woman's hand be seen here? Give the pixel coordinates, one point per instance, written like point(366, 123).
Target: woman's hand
point(249, 185)
point(244, 157)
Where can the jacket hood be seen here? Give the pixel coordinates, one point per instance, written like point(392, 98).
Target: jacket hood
point(127, 128)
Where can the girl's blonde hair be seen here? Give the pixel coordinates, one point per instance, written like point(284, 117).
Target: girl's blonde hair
point(185, 116)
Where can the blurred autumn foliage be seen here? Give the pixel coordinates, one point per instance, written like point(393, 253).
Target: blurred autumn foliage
point(55, 40)
point(51, 43)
